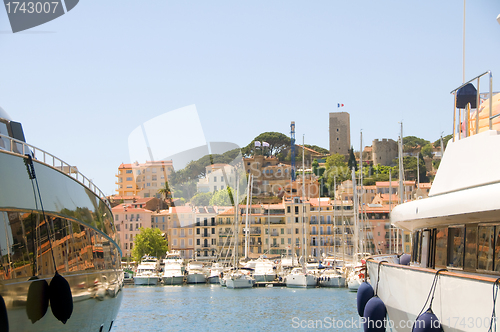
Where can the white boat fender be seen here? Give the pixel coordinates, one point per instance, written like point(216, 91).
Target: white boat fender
point(37, 301)
point(405, 259)
point(427, 321)
point(365, 293)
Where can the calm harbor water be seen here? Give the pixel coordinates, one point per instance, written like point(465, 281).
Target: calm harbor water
point(216, 308)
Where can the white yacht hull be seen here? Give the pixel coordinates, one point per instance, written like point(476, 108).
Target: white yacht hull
point(196, 278)
point(145, 281)
point(264, 277)
point(173, 280)
point(461, 302)
point(239, 283)
point(213, 279)
point(353, 283)
point(332, 281)
point(301, 280)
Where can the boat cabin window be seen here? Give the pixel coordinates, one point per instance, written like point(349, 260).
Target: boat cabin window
point(470, 248)
point(424, 256)
point(456, 247)
point(441, 246)
point(486, 240)
point(470, 262)
point(4, 142)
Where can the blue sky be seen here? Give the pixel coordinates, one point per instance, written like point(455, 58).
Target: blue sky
point(80, 84)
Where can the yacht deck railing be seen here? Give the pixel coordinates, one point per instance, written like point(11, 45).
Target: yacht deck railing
point(21, 148)
point(467, 132)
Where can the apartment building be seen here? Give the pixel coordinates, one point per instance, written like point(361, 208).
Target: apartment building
point(217, 177)
point(128, 221)
point(142, 180)
point(180, 230)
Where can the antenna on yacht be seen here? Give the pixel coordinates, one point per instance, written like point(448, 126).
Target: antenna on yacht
point(463, 49)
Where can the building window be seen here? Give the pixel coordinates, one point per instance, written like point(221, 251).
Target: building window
point(126, 246)
point(215, 179)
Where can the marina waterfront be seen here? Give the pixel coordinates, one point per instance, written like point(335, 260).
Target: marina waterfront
point(216, 308)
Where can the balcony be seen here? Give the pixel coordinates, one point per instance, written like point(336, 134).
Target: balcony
point(275, 245)
point(275, 234)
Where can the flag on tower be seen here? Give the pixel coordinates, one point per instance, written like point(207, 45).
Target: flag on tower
point(265, 144)
point(340, 105)
point(257, 143)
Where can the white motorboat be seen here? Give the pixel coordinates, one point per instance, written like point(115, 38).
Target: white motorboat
point(264, 270)
point(355, 278)
point(147, 272)
point(454, 258)
point(239, 279)
point(196, 273)
point(299, 277)
point(172, 270)
point(215, 271)
point(331, 277)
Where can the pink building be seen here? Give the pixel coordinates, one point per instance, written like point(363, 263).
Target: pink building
point(128, 221)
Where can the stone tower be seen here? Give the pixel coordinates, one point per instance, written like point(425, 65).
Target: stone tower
point(340, 133)
point(384, 151)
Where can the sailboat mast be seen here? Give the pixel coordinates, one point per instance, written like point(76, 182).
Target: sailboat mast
point(246, 219)
point(318, 254)
point(390, 207)
point(304, 229)
point(334, 219)
point(355, 203)
point(236, 222)
point(362, 224)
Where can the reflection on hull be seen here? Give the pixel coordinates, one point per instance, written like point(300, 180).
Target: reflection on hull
point(74, 236)
point(94, 304)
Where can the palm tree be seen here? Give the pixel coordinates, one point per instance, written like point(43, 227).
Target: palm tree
point(167, 194)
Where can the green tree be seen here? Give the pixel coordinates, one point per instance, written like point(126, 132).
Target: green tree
point(352, 160)
point(223, 197)
point(445, 141)
point(278, 142)
point(317, 149)
point(201, 199)
point(149, 242)
point(426, 150)
point(410, 167)
point(165, 191)
point(315, 166)
point(413, 143)
point(335, 167)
